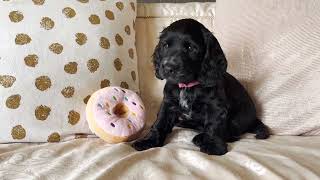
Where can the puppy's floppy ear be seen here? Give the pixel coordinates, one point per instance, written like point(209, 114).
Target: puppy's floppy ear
point(156, 61)
point(214, 64)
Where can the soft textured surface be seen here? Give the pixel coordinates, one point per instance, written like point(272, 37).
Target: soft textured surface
point(115, 114)
point(53, 56)
point(276, 158)
point(273, 48)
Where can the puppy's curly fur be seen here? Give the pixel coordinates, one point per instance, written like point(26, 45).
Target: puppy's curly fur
point(219, 108)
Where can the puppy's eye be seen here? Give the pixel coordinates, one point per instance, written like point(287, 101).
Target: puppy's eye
point(191, 48)
point(165, 45)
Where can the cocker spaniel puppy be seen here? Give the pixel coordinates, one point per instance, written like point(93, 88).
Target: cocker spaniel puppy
point(199, 93)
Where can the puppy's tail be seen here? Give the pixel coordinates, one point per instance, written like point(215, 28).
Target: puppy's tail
point(261, 130)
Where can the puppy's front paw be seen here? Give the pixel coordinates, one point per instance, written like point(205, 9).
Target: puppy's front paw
point(144, 144)
point(214, 149)
point(210, 145)
point(198, 140)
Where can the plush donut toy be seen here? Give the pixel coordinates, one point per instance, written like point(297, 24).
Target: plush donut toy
point(115, 114)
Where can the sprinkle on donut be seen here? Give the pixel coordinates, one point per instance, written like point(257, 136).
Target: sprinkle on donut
point(100, 105)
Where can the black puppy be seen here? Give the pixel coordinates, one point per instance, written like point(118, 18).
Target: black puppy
point(199, 93)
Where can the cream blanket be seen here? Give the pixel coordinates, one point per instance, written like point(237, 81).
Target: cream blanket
point(280, 157)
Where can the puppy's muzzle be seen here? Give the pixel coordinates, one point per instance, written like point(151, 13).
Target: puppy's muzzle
point(169, 65)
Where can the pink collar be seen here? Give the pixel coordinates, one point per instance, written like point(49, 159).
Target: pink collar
point(189, 85)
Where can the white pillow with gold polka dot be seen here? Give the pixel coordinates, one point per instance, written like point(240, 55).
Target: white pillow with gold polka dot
point(53, 55)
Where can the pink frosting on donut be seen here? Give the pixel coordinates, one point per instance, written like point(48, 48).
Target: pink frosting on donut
point(104, 113)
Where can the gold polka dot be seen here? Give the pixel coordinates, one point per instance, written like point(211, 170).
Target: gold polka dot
point(83, 1)
point(119, 40)
point(127, 29)
point(104, 43)
point(54, 137)
point(18, 132)
point(68, 92)
point(105, 83)
point(109, 14)
point(93, 65)
point(86, 99)
point(81, 38)
point(42, 112)
point(31, 60)
point(22, 39)
point(94, 19)
point(71, 67)
point(13, 102)
point(134, 25)
point(133, 75)
point(117, 64)
point(80, 135)
point(120, 5)
point(16, 16)
point(38, 2)
point(73, 117)
point(133, 6)
point(69, 12)
point(124, 85)
point(129, 126)
point(131, 53)
point(7, 81)
point(47, 23)
point(43, 83)
point(56, 48)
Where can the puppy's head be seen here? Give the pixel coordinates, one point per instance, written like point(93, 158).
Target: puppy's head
point(187, 51)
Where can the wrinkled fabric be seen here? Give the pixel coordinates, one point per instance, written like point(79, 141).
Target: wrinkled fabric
point(280, 157)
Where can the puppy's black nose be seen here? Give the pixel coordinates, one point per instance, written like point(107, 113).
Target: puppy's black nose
point(169, 69)
point(169, 66)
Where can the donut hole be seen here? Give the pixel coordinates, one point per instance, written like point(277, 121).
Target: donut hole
point(121, 110)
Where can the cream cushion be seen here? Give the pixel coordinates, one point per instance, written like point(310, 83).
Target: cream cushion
point(54, 54)
point(273, 48)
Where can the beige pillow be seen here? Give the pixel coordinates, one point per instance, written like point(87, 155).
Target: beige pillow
point(54, 54)
point(273, 47)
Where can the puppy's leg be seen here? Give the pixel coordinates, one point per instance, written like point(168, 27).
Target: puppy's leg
point(159, 131)
point(213, 140)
